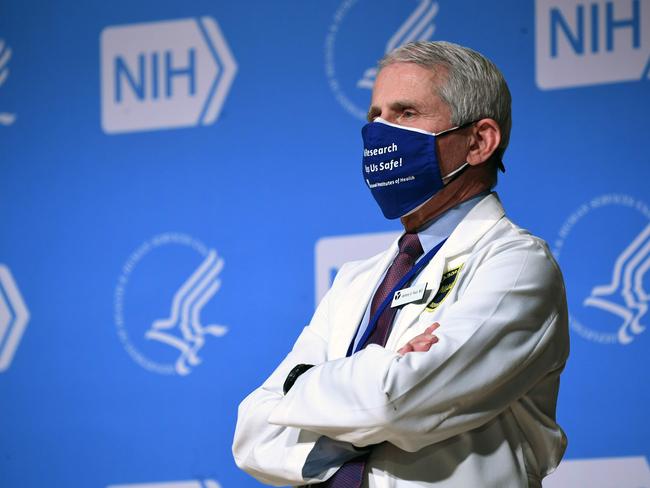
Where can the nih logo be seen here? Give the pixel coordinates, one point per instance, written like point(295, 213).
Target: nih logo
point(591, 42)
point(161, 75)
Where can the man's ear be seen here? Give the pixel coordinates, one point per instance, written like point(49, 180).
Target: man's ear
point(484, 140)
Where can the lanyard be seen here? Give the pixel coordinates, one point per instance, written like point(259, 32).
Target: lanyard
point(407, 277)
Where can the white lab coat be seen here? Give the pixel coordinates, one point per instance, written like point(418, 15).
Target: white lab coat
point(476, 410)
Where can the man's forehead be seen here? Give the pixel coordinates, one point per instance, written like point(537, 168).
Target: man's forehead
point(401, 86)
point(411, 85)
point(437, 73)
point(408, 81)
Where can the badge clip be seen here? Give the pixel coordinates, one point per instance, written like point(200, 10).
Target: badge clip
point(408, 295)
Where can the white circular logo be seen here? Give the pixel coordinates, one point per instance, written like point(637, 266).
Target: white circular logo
point(604, 250)
point(162, 289)
point(350, 59)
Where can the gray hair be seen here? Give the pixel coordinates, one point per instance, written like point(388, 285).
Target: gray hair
point(475, 88)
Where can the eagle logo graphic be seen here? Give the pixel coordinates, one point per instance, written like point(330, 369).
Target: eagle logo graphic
point(625, 296)
point(418, 26)
point(183, 329)
point(5, 55)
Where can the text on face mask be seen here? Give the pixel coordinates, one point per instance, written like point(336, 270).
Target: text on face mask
point(389, 182)
point(384, 165)
point(379, 150)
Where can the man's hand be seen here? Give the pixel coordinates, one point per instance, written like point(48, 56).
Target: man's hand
point(422, 342)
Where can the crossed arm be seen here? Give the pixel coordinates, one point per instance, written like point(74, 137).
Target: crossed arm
point(281, 455)
point(493, 346)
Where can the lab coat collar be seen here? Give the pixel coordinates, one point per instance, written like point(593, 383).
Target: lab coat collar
point(475, 225)
point(358, 292)
point(478, 221)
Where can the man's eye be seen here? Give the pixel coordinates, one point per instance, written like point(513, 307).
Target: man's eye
point(407, 114)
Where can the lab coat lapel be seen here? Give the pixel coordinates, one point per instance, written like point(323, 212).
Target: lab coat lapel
point(351, 308)
point(409, 314)
point(478, 221)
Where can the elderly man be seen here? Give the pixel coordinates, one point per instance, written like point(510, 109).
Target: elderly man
point(437, 362)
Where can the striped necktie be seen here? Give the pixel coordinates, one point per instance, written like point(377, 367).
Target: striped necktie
point(350, 475)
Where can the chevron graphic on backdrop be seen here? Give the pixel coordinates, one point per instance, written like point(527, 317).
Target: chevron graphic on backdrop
point(620, 472)
point(6, 118)
point(183, 329)
point(13, 317)
point(627, 283)
point(418, 26)
point(172, 484)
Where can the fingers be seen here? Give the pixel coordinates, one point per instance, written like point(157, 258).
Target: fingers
point(418, 344)
point(431, 328)
point(405, 349)
point(421, 342)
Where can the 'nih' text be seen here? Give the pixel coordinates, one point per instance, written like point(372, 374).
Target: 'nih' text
point(162, 75)
point(590, 42)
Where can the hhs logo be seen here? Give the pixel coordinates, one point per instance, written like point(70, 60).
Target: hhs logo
point(607, 273)
point(350, 65)
point(162, 75)
point(582, 42)
point(159, 311)
point(6, 118)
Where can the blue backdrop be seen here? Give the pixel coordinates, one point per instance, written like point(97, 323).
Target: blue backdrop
point(168, 168)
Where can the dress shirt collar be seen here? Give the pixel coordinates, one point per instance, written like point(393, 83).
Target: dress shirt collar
point(443, 225)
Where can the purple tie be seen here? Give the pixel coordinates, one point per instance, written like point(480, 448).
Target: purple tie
point(350, 475)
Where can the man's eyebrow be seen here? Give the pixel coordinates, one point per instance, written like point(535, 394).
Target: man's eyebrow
point(396, 106)
point(403, 104)
point(372, 113)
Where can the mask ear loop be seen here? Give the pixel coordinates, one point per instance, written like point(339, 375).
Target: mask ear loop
point(452, 129)
point(499, 163)
point(447, 178)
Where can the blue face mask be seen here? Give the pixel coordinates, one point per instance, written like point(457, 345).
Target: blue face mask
point(400, 166)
